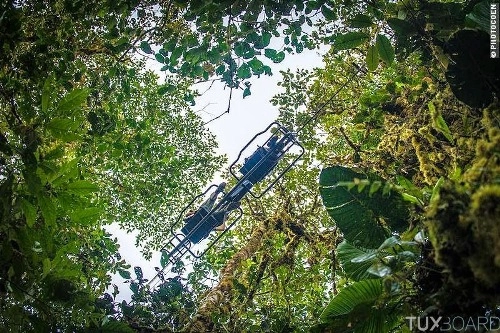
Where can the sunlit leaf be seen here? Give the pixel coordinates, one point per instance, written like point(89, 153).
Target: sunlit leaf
point(372, 58)
point(439, 123)
point(365, 291)
point(87, 215)
point(82, 187)
point(72, 101)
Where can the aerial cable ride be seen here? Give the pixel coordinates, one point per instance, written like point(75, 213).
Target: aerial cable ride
point(196, 225)
point(193, 226)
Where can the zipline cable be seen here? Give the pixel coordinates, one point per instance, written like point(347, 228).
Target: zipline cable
point(328, 101)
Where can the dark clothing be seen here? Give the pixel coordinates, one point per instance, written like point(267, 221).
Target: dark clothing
point(263, 160)
point(203, 230)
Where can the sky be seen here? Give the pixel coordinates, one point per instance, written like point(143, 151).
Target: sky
point(233, 130)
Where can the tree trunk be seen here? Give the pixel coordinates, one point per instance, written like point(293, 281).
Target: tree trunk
point(220, 295)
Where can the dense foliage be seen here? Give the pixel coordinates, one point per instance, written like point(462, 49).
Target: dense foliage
point(392, 212)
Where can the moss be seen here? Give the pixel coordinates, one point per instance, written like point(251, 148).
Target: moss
point(464, 230)
point(484, 219)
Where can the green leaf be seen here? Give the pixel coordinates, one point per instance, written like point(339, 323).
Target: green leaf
point(124, 274)
point(369, 256)
point(166, 88)
point(246, 92)
point(67, 171)
point(256, 65)
point(48, 209)
point(280, 56)
point(350, 40)
point(134, 286)
point(436, 189)
point(114, 326)
point(361, 21)
point(270, 53)
point(160, 58)
point(481, 16)
point(263, 41)
point(401, 27)
point(65, 129)
point(372, 58)
point(438, 122)
point(63, 125)
point(389, 243)
point(86, 215)
point(355, 270)
point(72, 101)
point(385, 49)
point(328, 13)
point(365, 291)
point(244, 71)
point(46, 267)
point(359, 215)
point(82, 187)
point(164, 259)
point(408, 186)
point(379, 269)
point(244, 50)
point(29, 211)
point(176, 53)
point(146, 48)
point(138, 272)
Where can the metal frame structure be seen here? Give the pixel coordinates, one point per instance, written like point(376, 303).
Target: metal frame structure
point(286, 135)
point(180, 243)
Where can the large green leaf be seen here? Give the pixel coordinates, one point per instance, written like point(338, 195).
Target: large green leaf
point(359, 293)
point(73, 100)
point(355, 270)
point(66, 129)
point(372, 58)
point(244, 71)
point(87, 215)
point(328, 13)
point(29, 211)
point(480, 16)
point(473, 76)
point(385, 49)
point(366, 218)
point(357, 309)
point(350, 40)
point(82, 187)
point(401, 27)
point(361, 21)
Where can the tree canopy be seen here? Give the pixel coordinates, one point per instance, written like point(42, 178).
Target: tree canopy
point(392, 212)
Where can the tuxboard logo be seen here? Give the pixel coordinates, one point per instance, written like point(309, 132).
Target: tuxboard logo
point(454, 324)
